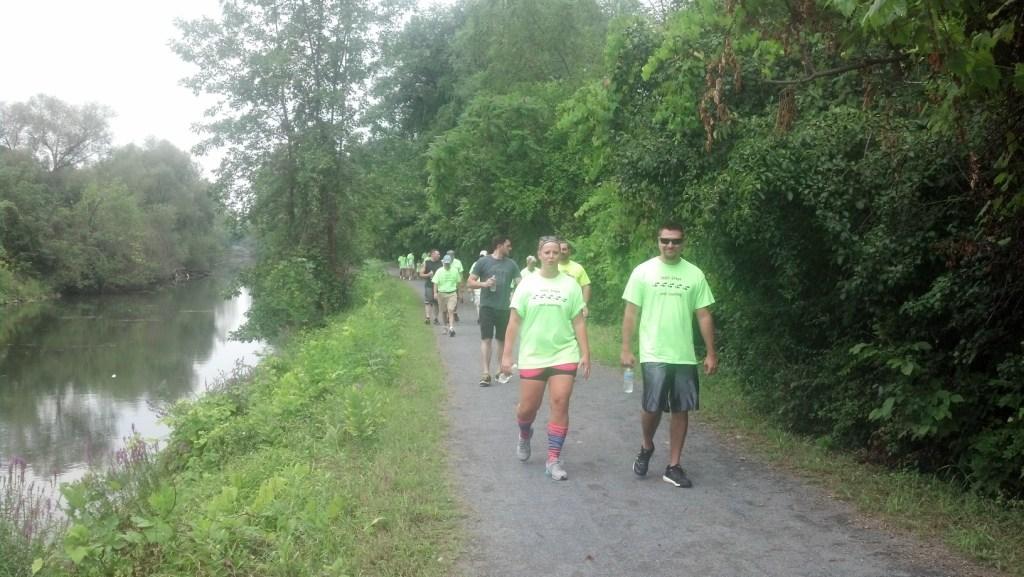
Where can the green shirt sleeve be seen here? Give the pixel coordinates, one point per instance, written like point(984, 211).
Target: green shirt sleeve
point(584, 278)
point(703, 297)
point(633, 292)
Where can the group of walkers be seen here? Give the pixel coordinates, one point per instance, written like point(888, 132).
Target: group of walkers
point(544, 307)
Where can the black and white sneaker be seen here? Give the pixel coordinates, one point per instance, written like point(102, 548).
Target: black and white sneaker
point(485, 380)
point(451, 332)
point(675, 475)
point(643, 460)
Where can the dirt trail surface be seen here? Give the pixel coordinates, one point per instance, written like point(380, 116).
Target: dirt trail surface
point(741, 518)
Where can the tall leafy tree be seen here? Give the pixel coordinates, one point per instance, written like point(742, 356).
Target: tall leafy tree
point(59, 134)
point(416, 90)
point(290, 75)
point(505, 44)
point(182, 215)
point(499, 167)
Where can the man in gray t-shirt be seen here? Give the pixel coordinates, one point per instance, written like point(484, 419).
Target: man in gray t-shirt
point(494, 275)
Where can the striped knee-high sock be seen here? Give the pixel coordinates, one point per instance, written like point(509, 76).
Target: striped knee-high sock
point(556, 437)
point(525, 429)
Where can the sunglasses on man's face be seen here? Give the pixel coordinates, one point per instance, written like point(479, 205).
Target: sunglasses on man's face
point(671, 241)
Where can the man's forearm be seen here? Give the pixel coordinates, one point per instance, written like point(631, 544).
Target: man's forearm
point(628, 328)
point(707, 332)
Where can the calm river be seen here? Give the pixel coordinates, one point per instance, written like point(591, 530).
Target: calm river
point(77, 375)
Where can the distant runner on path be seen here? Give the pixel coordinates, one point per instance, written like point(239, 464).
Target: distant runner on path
point(457, 266)
point(430, 266)
point(531, 267)
point(553, 347)
point(446, 291)
point(665, 292)
point(494, 275)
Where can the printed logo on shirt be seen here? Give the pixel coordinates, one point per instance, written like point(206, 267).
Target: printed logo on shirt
point(671, 285)
point(547, 296)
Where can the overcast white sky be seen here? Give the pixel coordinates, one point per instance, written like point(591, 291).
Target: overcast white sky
point(113, 52)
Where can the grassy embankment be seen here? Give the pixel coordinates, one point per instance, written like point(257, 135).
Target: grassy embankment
point(327, 460)
point(981, 528)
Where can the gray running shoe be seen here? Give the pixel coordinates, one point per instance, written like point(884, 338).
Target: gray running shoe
point(523, 447)
point(555, 470)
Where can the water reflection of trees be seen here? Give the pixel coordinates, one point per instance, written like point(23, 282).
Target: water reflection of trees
point(58, 393)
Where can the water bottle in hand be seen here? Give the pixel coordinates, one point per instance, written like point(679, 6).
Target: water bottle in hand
point(504, 377)
point(627, 380)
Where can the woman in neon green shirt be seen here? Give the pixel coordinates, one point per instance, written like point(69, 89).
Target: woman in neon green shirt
point(553, 349)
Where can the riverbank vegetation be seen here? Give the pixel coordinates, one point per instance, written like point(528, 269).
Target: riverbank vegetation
point(77, 216)
point(313, 464)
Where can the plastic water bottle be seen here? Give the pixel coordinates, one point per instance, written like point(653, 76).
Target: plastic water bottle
point(627, 380)
point(504, 378)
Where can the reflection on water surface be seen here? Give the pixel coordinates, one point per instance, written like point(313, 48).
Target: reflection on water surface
point(76, 376)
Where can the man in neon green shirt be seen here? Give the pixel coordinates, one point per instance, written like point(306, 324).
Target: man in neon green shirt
point(446, 287)
point(665, 293)
point(576, 271)
point(457, 266)
point(406, 266)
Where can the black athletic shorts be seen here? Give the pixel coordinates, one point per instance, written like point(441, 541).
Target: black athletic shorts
point(670, 388)
point(493, 323)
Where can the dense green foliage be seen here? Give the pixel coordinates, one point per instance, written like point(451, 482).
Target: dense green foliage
point(849, 172)
point(76, 223)
point(310, 465)
point(289, 76)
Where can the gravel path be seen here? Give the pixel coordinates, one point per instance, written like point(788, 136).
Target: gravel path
point(742, 518)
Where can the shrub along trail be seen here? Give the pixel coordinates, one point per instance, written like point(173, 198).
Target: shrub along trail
point(742, 517)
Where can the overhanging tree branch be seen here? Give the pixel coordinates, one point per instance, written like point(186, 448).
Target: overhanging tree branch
point(838, 70)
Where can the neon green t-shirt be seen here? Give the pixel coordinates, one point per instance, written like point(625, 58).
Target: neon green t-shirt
point(547, 307)
point(457, 265)
point(575, 270)
point(668, 295)
point(446, 279)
